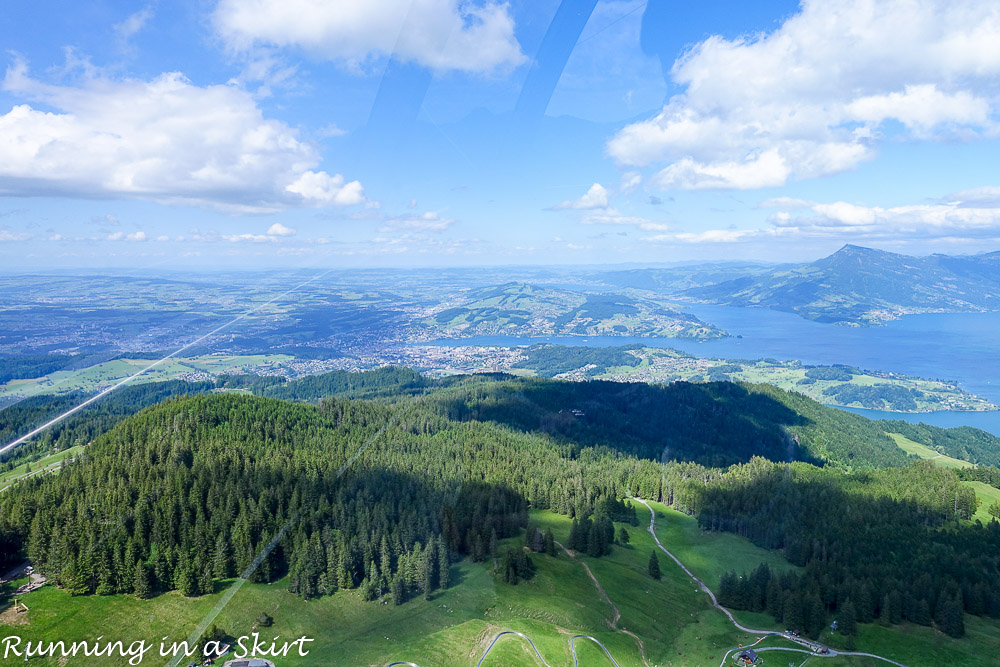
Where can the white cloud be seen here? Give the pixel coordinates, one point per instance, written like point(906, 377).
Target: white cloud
point(988, 196)
point(122, 236)
point(964, 216)
point(713, 236)
point(595, 197)
point(431, 221)
point(322, 189)
point(248, 238)
point(125, 30)
point(166, 140)
point(814, 96)
point(630, 181)
point(278, 229)
point(331, 130)
point(440, 34)
point(613, 217)
point(6, 235)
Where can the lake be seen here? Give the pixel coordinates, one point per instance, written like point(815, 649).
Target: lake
point(964, 347)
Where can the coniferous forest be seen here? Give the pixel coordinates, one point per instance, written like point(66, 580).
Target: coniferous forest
point(381, 494)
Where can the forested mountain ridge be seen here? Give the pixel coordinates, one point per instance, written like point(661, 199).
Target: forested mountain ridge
point(715, 423)
point(712, 423)
point(190, 490)
point(864, 286)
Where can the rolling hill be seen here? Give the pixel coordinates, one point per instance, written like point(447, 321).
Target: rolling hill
point(520, 309)
point(860, 286)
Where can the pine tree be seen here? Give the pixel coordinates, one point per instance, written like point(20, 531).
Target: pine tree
point(493, 542)
point(427, 581)
point(793, 611)
point(550, 543)
point(865, 605)
point(817, 616)
point(847, 619)
point(623, 538)
point(444, 564)
point(883, 617)
point(772, 599)
point(140, 583)
point(654, 566)
point(953, 617)
point(72, 579)
point(184, 578)
point(222, 559)
point(923, 615)
point(397, 590)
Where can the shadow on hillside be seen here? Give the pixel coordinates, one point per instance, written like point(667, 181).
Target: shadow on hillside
point(715, 424)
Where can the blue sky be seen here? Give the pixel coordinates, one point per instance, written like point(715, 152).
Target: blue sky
point(394, 133)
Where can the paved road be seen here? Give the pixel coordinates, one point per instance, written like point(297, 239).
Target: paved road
point(766, 633)
point(810, 649)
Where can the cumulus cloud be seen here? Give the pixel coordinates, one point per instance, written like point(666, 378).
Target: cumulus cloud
point(965, 216)
point(320, 188)
point(122, 236)
point(814, 96)
point(595, 197)
point(439, 34)
point(165, 139)
point(278, 229)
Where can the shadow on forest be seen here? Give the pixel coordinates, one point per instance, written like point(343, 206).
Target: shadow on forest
point(714, 424)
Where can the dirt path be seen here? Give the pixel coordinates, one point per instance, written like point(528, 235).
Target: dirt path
point(615, 614)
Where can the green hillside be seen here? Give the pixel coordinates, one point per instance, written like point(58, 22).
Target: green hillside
point(422, 515)
point(520, 309)
point(864, 286)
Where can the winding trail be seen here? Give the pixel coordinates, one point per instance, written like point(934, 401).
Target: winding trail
point(811, 649)
point(729, 615)
point(706, 589)
point(526, 638)
point(615, 614)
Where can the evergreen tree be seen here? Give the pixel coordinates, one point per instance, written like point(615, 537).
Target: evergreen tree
point(549, 541)
point(793, 611)
point(654, 566)
point(817, 616)
point(222, 559)
point(574, 535)
point(952, 617)
point(184, 578)
point(427, 581)
point(923, 615)
point(623, 537)
point(397, 590)
point(140, 583)
point(847, 620)
point(772, 599)
point(444, 565)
